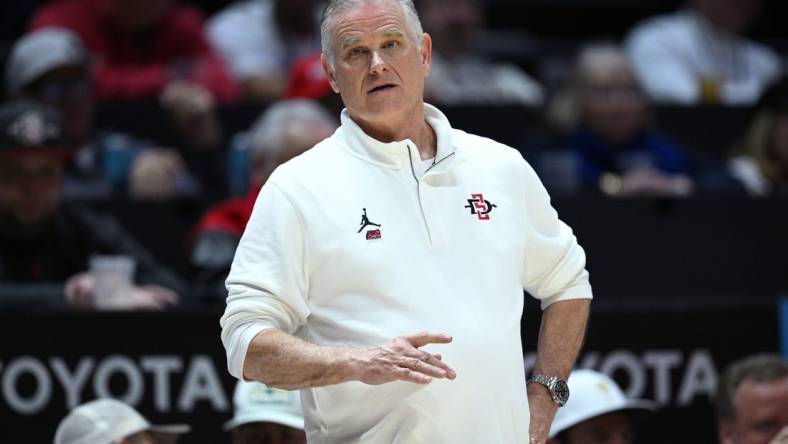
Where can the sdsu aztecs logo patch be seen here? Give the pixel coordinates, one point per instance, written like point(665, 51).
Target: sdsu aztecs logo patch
point(480, 206)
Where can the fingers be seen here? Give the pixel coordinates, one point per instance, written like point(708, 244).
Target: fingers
point(80, 290)
point(421, 339)
point(435, 366)
point(424, 338)
point(423, 367)
point(404, 374)
point(152, 297)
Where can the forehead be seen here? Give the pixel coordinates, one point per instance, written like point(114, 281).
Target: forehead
point(751, 394)
point(616, 71)
point(369, 19)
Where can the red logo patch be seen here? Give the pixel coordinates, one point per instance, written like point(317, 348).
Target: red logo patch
point(373, 234)
point(480, 206)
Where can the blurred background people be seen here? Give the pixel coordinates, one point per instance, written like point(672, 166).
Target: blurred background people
point(260, 39)
point(284, 130)
point(459, 75)
point(752, 401)
point(699, 54)
point(51, 66)
point(307, 80)
point(597, 412)
point(43, 243)
point(265, 415)
point(611, 144)
point(150, 50)
point(109, 421)
point(142, 47)
point(761, 164)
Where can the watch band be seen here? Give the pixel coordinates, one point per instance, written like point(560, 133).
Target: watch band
point(559, 390)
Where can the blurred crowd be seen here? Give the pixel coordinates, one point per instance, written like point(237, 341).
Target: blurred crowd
point(599, 133)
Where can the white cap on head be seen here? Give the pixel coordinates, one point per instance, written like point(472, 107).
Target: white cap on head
point(256, 402)
point(592, 394)
point(106, 420)
point(40, 51)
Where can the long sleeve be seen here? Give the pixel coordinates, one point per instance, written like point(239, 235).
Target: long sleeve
point(554, 267)
point(268, 281)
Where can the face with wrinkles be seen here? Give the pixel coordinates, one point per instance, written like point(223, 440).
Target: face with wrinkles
point(761, 412)
point(376, 66)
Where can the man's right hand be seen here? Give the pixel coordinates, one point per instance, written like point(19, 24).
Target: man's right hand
point(401, 360)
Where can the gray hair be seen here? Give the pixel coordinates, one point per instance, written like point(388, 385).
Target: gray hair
point(758, 368)
point(267, 135)
point(335, 7)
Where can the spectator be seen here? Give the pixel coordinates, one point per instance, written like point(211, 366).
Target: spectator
point(260, 40)
point(51, 66)
point(108, 421)
point(265, 415)
point(283, 131)
point(147, 50)
point(142, 47)
point(698, 54)
point(457, 74)
point(752, 401)
point(307, 79)
point(43, 245)
point(597, 412)
point(610, 143)
point(762, 164)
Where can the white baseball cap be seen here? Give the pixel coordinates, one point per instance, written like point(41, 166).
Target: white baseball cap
point(40, 51)
point(256, 402)
point(592, 394)
point(105, 420)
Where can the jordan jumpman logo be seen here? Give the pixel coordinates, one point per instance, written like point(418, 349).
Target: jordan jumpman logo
point(365, 221)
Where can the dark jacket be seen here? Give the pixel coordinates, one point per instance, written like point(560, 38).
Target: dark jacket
point(33, 271)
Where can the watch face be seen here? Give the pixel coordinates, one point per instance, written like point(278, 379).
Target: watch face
point(561, 391)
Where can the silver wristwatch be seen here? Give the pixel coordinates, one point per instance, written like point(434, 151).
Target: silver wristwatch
point(558, 388)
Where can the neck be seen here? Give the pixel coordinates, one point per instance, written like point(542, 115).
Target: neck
point(413, 127)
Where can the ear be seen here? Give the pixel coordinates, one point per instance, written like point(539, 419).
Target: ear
point(330, 74)
point(426, 53)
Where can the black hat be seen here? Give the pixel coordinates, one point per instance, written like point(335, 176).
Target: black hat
point(27, 127)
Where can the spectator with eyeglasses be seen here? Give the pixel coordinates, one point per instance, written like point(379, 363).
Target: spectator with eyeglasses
point(610, 143)
point(51, 66)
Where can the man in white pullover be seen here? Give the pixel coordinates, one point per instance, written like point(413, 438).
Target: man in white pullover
point(382, 271)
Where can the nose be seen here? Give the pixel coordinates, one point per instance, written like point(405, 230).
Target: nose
point(377, 65)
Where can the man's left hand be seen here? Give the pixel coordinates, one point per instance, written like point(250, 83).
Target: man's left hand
point(543, 410)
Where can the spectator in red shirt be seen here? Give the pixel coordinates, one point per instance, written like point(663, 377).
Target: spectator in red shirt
point(285, 130)
point(147, 49)
point(142, 46)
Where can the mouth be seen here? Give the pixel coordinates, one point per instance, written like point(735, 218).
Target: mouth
point(384, 87)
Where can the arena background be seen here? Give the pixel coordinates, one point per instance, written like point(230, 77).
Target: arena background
point(683, 287)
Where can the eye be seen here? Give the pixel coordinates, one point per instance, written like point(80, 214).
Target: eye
point(356, 52)
point(391, 44)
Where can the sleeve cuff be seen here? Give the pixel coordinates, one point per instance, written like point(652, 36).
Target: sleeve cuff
point(575, 292)
point(236, 355)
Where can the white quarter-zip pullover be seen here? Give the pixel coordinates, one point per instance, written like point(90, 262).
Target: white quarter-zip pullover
point(349, 245)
